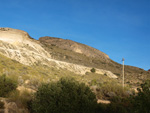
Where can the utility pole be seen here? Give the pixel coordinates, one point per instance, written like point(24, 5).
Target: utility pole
point(123, 73)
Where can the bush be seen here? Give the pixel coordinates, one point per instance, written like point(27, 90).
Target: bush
point(64, 96)
point(120, 105)
point(111, 88)
point(93, 70)
point(6, 85)
point(142, 100)
point(139, 103)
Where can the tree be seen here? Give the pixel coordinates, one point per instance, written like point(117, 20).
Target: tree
point(64, 96)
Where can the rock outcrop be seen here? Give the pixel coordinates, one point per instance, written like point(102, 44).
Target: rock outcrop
point(18, 45)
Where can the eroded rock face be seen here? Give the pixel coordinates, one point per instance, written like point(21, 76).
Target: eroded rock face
point(19, 46)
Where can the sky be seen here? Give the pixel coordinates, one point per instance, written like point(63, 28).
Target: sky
point(119, 28)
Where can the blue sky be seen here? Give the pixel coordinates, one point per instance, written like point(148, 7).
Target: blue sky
point(119, 28)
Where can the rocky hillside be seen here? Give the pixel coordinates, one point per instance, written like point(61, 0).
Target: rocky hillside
point(63, 54)
point(31, 62)
point(77, 53)
point(19, 46)
point(74, 46)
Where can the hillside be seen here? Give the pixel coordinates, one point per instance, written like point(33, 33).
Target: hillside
point(19, 46)
point(31, 62)
point(55, 53)
point(75, 47)
point(38, 73)
point(70, 51)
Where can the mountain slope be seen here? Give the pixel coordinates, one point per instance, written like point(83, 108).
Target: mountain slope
point(18, 45)
point(74, 46)
point(60, 54)
point(32, 76)
point(70, 51)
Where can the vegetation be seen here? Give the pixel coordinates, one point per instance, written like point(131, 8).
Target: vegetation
point(6, 85)
point(93, 70)
point(142, 100)
point(133, 74)
point(64, 96)
point(49, 78)
point(139, 103)
point(70, 96)
point(111, 89)
point(21, 98)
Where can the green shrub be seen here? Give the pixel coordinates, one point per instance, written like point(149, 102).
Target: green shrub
point(111, 87)
point(142, 100)
point(120, 105)
point(64, 96)
point(93, 70)
point(139, 103)
point(6, 85)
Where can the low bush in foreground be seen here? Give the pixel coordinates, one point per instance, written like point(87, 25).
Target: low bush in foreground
point(141, 102)
point(64, 96)
point(70, 96)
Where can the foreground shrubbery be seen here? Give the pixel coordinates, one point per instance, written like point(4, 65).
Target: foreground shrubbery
point(6, 85)
point(69, 96)
point(109, 89)
point(64, 96)
point(141, 102)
